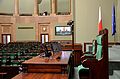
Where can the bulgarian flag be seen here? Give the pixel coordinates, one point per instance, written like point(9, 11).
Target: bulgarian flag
point(100, 20)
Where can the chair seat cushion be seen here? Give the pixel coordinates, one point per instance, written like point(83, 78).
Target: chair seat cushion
point(88, 55)
point(83, 70)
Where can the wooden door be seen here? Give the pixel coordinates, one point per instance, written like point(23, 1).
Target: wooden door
point(6, 38)
point(44, 38)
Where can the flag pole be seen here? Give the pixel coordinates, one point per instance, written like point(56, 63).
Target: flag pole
point(71, 24)
point(114, 39)
point(100, 20)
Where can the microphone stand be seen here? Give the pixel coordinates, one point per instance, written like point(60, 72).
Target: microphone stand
point(71, 24)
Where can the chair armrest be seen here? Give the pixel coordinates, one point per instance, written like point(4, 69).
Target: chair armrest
point(88, 52)
point(89, 62)
point(85, 56)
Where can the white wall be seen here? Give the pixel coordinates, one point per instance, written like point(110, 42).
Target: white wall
point(86, 18)
point(85, 15)
point(26, 6)
point(6, 6)
point(25, 34)
point(63, 5)
point(118, 21)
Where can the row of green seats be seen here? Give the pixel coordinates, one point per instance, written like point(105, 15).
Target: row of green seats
point(12, 62)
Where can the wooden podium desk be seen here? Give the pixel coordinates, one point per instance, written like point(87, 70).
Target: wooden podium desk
point(43, 64)
point(40, 76)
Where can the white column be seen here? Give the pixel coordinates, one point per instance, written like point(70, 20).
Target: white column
point(16, 7)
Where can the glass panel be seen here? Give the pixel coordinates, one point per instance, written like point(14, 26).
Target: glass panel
point(7, 7)
point(26, 7)
point(63, 7)
point(43, 39)
point(45, 6)
point(46, 38)
point(8, 38)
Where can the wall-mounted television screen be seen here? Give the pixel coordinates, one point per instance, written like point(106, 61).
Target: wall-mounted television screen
point(62, 30)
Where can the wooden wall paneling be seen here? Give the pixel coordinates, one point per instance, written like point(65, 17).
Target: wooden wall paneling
point(51, 21)
point(14, 29)
point(43, 28)
point(36, 31)
point(25, 19)
point(5, 19)
point(6, 28)
point(64, 18)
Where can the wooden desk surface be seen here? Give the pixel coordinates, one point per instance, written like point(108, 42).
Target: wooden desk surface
point(43, 64)
point(44, 60)
point(40, 76)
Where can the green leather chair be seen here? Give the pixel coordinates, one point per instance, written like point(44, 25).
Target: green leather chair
point(85, 69)
point(33, 54)
point(12, 56)
point(15, 63)
point(97, 68)
point(3, 61)
point(90, 54)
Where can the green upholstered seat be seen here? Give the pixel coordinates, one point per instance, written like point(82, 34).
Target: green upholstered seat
point(84, 70)
point(88, 54)
point(3, 61)
point(3, 51)
point(99, 39)
point(33, 54)
point(28, 57)
point(18, 53)
point(22, 59)
point(99, 52)
point(99, 47)
point(4, 54)
point(15, 63)
point(93, 49)
point(12, 56)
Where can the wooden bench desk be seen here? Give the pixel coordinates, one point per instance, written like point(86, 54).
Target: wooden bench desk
point(43, 64)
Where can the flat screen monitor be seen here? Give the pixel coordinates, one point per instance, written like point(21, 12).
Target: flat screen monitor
point(62, 30)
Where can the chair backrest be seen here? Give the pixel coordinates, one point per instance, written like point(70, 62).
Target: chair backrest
point(102, 46)
point(56, 47)
point(98, 68)
point(94, 46)
point(44, 48)
point(104, 61)
point(99, 47)
point(105, 44)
